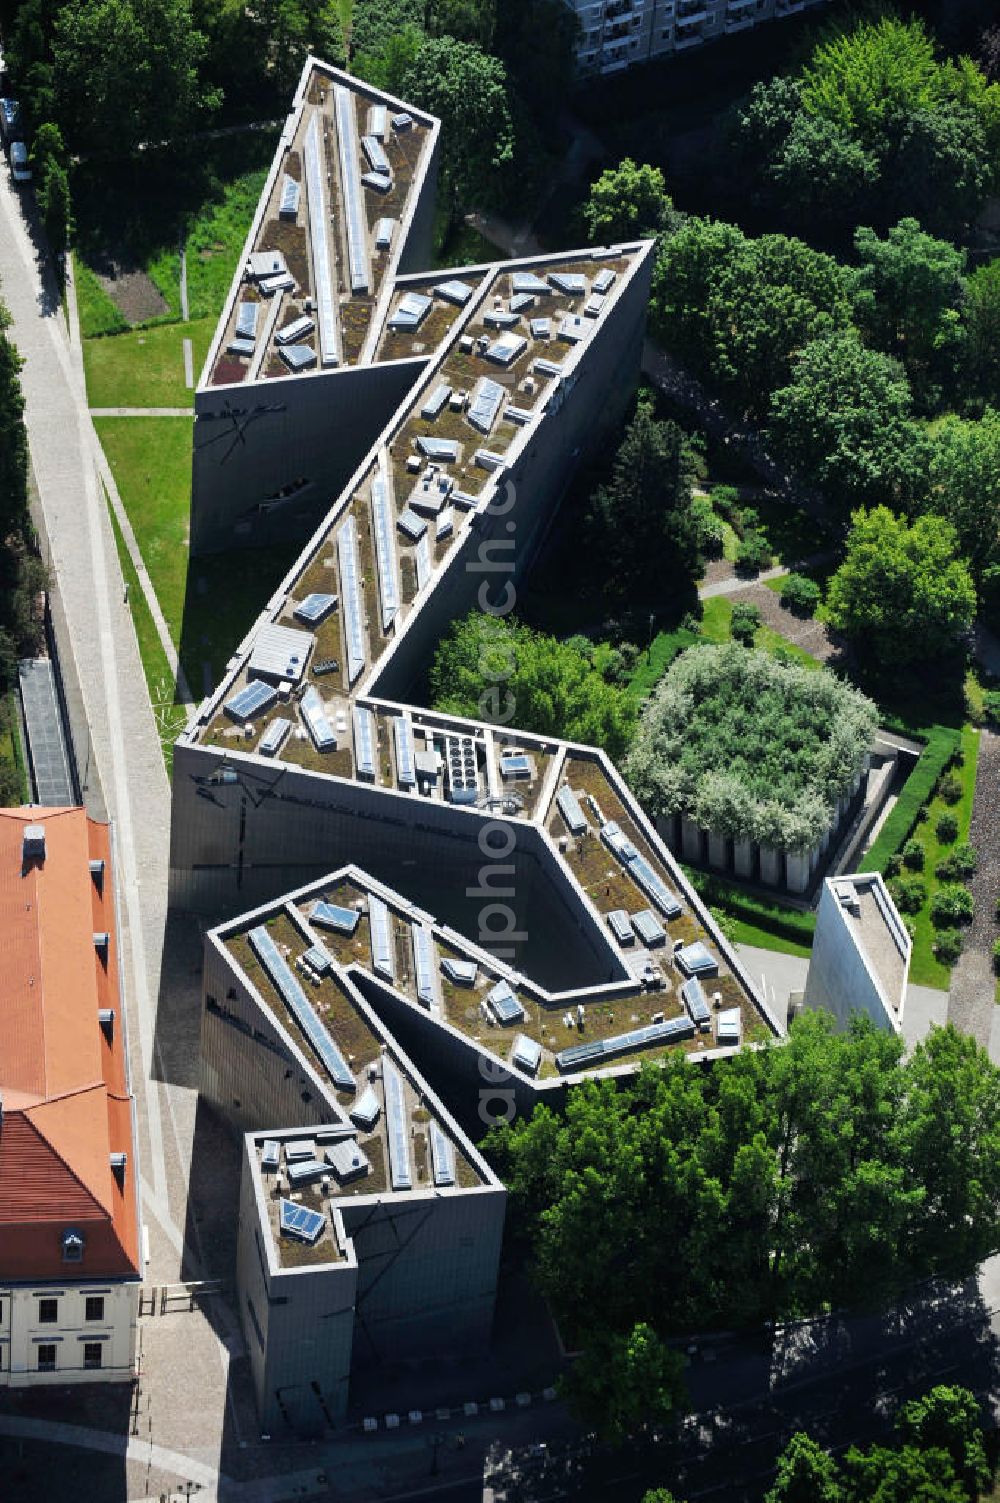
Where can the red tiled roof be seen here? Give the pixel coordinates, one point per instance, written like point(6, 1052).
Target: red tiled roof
point(63, 1082)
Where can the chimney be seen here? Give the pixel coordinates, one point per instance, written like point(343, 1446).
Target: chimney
point(33, 848)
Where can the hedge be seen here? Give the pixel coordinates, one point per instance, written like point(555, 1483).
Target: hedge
point(941, 744)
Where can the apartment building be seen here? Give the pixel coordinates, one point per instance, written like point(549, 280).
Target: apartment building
point(69, 1198)
point(616, 34)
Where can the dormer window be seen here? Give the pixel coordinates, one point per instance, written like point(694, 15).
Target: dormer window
point(72, 1246)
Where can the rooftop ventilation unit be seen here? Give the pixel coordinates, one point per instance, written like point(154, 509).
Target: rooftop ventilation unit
point(33, 848)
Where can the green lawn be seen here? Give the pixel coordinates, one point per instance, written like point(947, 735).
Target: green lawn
point(150, 459)
point(751, 920)
point(715, 624)
point(138, 210)
point(209, 607)
point(145, 367)
point(170, 716)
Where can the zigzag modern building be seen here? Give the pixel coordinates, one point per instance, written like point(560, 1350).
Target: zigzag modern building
point(496, 904)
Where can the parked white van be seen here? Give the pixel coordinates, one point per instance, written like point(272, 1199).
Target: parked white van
point(20, 170)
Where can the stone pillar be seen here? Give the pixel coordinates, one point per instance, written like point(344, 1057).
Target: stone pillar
point(771, 866)
point(797, 866)
point(692, 839)
point(743, 858)
point(718, 851)
point(666, 828)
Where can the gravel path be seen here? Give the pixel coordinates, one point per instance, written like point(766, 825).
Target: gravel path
point(813, 636)
point(971, 1006)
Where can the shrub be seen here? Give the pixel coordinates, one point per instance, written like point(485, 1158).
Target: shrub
point(726, 501)
point(947, 945)
point(996, 955)
point(913, 856)
point(946, 828)
point(747, 519)
point(800, 594)
point(959, 864)
point(950, 788)
point(908, 893)
point(753, 554)
point(711, 532)
point(892, 866)
point(690, 622)
point(744, 623)
point(991, 706)
point(951, 904)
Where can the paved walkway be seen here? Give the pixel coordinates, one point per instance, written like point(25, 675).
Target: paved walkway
point(973, 983)
point(141, 412)
point(124, 740)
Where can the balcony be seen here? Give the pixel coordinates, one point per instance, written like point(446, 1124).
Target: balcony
point(693, 15)
point(683, 41)
point(738, 23)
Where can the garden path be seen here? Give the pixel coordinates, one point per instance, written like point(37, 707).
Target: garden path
point(973, 985)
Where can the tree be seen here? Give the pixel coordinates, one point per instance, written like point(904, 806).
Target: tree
point(127, 72)
point(902, 594)
point(503, 672)
point(641, 520)
point(907, 298)
point(981, 312)
point(465, 20)
point(949, 1419)
point(907, 1475)
point(622, 1383)
point(55, 207)
point(387, 67)
point(468, 90)
point(965, 487)
point(806, 1474)
point(626, 202)
point(738, 311)
point(13, 439)
point(821, 171)
point(537, 41)
point(844, 422)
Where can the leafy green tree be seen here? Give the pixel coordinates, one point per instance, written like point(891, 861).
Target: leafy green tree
point(387, 67)
point(981, 313)
point(907, 1475)
point(467, 89)
point(55, 207)
point(965, 486)
point(537, 41)
point(907, 299)
point(641, 520)
point(13, 439)
point(942, 170)
point(625, 202)
point(622, 1383)
point(844, 422)
point(465, 20)
point(659, 1495)
point(127, 72)
point(902, 595)
point(949, 1419)
point(503, 672)
point(738, 311)
point(806, 1474)
point(948, 1130)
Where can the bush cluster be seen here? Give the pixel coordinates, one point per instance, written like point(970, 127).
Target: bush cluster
point(800, 594)
point(951, 904)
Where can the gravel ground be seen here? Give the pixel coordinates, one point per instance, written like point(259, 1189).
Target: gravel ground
point(973, 983)
point(811, 635)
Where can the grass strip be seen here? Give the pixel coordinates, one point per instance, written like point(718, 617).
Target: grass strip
point(940, 743)
point(170, 717)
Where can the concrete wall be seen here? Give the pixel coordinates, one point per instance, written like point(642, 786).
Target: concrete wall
point(21, 1333)
point(280, 827)
point(248, 1072)
point(428, 1266)
point(839, 981)
point(250, 441)
point(298, 1325)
